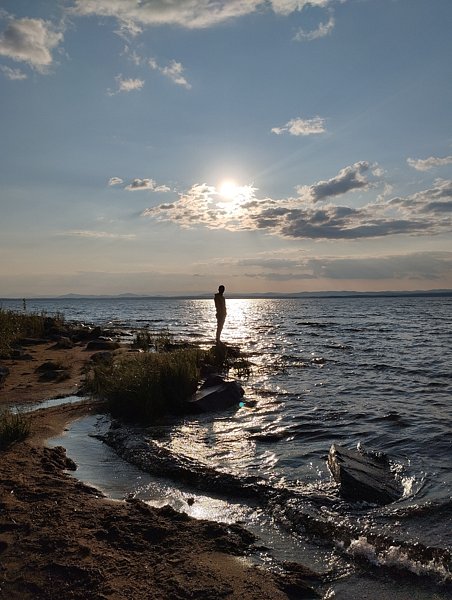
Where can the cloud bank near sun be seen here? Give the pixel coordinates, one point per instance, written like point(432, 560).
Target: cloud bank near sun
point(312, 214)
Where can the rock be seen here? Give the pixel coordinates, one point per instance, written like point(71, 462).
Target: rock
point(64, 343)
point(58, 375)
point(4, 372)
point(101, 344)
point(220, 396)
point(363, 477)
point(87, 333)
point(103, 357)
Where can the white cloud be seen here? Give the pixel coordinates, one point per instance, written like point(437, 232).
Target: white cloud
point(126, 85)
point(98, 234)
point(146, 184)
point(300, 126)
point(174, 72)
point(14, 74)
point(285, 7)
point(322, 30)
point(429, 163)
point(191, 14)
point(31, 41)
point(115, 181)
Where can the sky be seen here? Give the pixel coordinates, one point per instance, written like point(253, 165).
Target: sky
point(167, 147)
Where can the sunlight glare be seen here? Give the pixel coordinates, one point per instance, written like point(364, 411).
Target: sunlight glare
point(228, 189)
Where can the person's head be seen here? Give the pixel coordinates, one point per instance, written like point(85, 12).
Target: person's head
point(221, 289)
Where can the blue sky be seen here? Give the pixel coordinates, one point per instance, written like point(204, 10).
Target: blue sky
point(167, 147)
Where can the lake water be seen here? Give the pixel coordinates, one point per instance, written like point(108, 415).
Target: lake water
point(373, 372)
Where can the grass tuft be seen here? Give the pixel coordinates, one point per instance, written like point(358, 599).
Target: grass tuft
point(14, 427)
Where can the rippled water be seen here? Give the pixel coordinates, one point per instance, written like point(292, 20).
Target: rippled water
point(368, 371)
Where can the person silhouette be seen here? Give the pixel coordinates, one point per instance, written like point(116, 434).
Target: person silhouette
point(220, 305)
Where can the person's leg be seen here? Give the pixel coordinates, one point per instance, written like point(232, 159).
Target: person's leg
point(220, 323)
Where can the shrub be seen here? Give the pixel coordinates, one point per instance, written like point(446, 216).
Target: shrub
point(13, 428)
point(142, 387)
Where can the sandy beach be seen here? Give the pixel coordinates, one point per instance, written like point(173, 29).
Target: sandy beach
point(59, 538)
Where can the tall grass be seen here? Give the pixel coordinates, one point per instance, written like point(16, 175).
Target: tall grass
point(14, 325)
point(158, 341)
point(142, 387)
point(13, 427)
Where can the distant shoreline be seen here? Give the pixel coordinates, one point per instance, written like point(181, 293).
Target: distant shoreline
point(252, 296)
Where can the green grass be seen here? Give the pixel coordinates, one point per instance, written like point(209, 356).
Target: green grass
point(15, 325)
point(13, 428)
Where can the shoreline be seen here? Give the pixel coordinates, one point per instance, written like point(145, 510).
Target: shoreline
point(61, 538)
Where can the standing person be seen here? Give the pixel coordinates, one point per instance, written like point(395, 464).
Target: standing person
point(220, 305)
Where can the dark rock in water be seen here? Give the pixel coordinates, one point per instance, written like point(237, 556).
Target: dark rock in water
point(223, 394)
point(363, 477)
point(211, 380)
point(100, 344)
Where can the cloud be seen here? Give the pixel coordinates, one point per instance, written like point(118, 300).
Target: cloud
point(31, 41)
point(13, 74)
point(146, 184)
point(174, 72)
point(191, 14)
point(348, 179)
point(300, 126)
point(286, 7)
point(418, 265)
point(322, 30)
point(115, 181)
point(429, 163)
point(426, 212)
point(97, 235)
point(295, 265)
point(126, 85)
point(436, 200)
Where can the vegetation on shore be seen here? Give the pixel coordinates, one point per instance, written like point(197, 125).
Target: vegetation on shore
point(14, 427)
point(158, 380)
point(15, 325)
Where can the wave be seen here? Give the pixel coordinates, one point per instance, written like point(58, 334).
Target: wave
point(305, 510)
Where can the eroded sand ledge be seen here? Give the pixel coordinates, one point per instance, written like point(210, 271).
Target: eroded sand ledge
point(60, 539)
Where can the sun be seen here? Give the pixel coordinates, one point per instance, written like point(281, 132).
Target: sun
point(228, 189)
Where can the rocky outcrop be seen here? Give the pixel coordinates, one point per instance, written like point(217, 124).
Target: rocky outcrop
point(363, 477)
point(215, 394)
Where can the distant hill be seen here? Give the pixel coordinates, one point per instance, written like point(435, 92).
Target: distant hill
point(208, 295)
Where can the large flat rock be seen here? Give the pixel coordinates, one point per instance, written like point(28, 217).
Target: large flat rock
point(363, 477)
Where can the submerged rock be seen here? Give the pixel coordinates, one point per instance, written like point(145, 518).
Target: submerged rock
point(363, 477)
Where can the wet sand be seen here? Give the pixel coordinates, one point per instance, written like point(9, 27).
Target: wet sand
point(61, 539)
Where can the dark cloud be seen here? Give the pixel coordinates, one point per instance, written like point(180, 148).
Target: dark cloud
point(347, 180)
